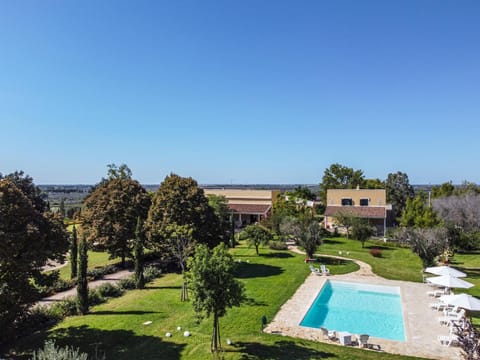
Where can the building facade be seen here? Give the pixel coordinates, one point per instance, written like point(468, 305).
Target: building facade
point(248, 206)
point(369, 204)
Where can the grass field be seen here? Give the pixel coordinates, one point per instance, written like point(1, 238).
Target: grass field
point(116, 329)
point(396, 263)
point(95, 259)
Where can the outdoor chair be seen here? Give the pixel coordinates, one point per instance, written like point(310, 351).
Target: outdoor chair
point(448, 340)
point(328, 334)
point(324, 270)
point(363, 340)
point(314, 270)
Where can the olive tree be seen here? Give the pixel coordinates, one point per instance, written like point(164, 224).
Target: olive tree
point(213, 286)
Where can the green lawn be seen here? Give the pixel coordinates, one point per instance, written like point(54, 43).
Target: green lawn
point(396, 263)
point(95, 259)
point(270, 279)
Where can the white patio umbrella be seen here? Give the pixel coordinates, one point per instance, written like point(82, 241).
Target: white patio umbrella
point(450, 282)
point(464, 301)
point(445, 270)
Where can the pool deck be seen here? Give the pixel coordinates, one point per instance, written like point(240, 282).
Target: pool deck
point(421, 324)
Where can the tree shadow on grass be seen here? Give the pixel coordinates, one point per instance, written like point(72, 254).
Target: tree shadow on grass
point(380, 247)
point(115, 344)
point(277, 255)
point(246, 270)
point(129, 312)
point(282, 350)
point(332, 261)
point(332, 241)
point(162, 287)
point(471, 272)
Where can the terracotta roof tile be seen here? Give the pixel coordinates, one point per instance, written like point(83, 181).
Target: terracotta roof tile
point(250, 208)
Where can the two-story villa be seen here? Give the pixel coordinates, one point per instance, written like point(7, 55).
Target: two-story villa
point(370, 204)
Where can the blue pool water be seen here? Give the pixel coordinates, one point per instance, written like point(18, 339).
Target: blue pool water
point(359, 309)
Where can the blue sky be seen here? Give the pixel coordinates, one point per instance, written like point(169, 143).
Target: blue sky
point(240, 91)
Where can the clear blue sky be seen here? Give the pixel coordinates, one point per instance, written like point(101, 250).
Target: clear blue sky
point(240, 91)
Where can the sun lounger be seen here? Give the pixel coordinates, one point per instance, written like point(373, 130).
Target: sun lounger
point(324, 270)
point(448, 340)
point(328, 334)
point(315, 271)
point(363, 340)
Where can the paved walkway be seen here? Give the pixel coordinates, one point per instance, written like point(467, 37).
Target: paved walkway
point(110, 278)
point(421, 324)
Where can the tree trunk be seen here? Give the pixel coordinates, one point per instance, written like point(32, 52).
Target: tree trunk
point(184, 296)
point(215, 345)
point(256, 249)
point(123, 260)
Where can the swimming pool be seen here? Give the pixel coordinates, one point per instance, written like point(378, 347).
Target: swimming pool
point(375, 310)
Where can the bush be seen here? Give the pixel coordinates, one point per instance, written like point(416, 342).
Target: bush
point(52, 352)
point(65, 307)
point(376, 252)
point(278, 245)
point(151, 272)
point(107, 290)
point(127, 283)
point(95, 298)
point(95, 274)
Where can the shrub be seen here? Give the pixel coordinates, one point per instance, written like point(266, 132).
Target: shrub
point(107, 290)
point(52, 352)
point(65, 307)
point(96, 273)
point(127, 283)
point(376, 252)
point(95, 298)
point(278, 245)
point(151, 272)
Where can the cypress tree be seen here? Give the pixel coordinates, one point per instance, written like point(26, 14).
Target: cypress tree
point(139, 278)
point(73, 253)
point(82, 283)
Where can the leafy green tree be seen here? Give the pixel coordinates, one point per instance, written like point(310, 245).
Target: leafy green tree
point(426, 243)
point(257, 235)
point(374, 184)
point(398, 191)
point(180, 201)
point(61, 207)
point(340, 177)
point(347, 219)
point(305, 230)
point(139, 261)
point(302, 192)
point(82, 282)
point(213, 286)
point(110, 213)
point(362, 231)
point(25, 184)
point(179, 245)
point(73, 253)
point(219, 204)
point(443, 190)
point(418, 214)
point(28, 239)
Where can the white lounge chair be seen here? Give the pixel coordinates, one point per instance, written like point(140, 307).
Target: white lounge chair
point(440, 306)
point(448, 340)
point(328, 334)
point(452, 318)
point(314, 270)
point(324, 270)
point(363, 340)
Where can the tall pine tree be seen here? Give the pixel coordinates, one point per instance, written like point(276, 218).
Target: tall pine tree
point(82, 283)
point(73, 253)
point(139, 278)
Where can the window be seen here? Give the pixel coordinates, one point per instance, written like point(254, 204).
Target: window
point(364, 202)
point(347, 202)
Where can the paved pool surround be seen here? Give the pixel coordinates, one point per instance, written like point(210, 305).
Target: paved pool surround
point(421, 324)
